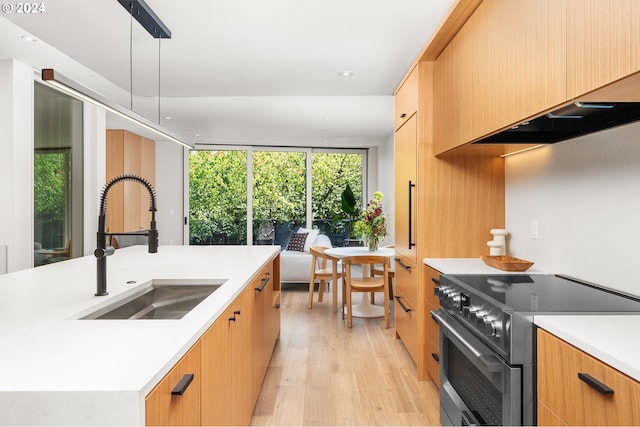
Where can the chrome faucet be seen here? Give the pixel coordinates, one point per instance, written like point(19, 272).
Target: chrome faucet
point(102, 251)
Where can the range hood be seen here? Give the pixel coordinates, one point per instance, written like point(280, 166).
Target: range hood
point(573, 120)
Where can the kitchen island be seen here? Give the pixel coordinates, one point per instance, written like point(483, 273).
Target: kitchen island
point(59, 370)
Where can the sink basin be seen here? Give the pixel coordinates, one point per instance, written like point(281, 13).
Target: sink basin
point(158, 301)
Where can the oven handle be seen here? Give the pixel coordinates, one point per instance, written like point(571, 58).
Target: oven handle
point(490, 362)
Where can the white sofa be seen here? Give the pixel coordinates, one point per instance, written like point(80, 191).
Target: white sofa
point(295, 266)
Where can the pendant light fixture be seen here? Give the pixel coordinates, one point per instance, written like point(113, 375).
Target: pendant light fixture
point(142, 13)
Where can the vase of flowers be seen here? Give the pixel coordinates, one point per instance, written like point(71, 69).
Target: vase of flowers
point(373, 222)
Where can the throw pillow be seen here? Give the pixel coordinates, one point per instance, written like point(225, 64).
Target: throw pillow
point(297, 241)
point(311, 238)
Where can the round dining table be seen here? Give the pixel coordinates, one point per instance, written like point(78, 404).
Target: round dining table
point(363, 308)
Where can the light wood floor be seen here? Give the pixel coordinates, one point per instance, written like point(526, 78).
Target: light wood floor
point(322, 373)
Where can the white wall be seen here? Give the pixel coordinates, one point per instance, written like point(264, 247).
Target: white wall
point(585, 195)
point(169, 189)
point(16, 163)
point(386, 180)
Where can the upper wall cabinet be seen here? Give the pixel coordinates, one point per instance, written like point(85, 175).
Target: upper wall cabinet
point(406, 99)
point(603, 43)
point(506, 63)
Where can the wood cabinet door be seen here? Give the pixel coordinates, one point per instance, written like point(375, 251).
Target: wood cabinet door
point(579, 401)
point(406, 99)
point(507, 64)
point(217, 372)
point(406, 305)
point(129, 202)
point(165, 408)
point(603, 43)
point(406, 188)
point(243, 388)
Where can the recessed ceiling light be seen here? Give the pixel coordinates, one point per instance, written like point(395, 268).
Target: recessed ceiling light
point(29, 38)
point(167, 118)
point(346, 73)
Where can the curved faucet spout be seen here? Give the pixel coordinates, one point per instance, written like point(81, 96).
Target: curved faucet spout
point(102, 251)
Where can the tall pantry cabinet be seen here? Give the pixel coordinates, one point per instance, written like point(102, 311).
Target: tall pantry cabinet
point(444, 208)
point(128, 203)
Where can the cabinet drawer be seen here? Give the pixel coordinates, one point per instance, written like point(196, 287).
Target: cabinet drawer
point(175, 401)
point(579, 401)
point(433, 361)
point(406, 99)
point(432, 276)
point(407, 325)
point(406, 281)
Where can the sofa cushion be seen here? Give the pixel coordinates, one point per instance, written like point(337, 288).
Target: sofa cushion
point(297, 242)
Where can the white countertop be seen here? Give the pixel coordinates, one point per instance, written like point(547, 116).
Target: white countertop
point(472, 266)
point(613, 339)
point(56, 369)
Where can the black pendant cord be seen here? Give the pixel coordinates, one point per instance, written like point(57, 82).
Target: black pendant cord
point(131, 60)
point(159, 44)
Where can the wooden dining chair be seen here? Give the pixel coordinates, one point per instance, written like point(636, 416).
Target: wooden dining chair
point(324, 268)
point(377, 271)
point(365, 284)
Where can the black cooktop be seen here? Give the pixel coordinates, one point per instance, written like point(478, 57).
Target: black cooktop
point(541, 293)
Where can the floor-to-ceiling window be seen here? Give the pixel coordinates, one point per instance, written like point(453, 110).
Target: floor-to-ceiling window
point(57, 176)
point(331, 173)
point(288, 189)
point(279, 192)
point(218, 197)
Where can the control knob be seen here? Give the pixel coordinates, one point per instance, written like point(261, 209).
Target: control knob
point(492, 327)
point(469, 311)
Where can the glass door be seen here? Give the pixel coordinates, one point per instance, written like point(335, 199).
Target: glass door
point(218, 197)
point(58, 179)
point(279, 195)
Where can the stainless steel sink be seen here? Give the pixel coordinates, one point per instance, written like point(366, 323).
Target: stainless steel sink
point(158, 301)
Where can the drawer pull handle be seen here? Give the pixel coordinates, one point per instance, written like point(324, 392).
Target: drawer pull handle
point(404, 307)
point(402, 264)
point(182, 385)
point(436, 281)
point(411, 186)
point(276, 306)
point(435, 357)
point(263, 284)
point(403, 115)
point(594, 383)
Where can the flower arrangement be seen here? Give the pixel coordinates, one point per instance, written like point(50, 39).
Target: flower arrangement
point(373, 223)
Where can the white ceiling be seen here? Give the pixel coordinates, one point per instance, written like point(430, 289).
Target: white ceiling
point(261, 72)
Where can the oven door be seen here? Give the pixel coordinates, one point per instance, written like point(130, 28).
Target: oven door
point(477, 386)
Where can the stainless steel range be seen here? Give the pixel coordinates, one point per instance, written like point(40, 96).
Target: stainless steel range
point(487, 340)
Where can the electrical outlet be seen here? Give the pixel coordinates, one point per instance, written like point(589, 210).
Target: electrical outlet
point(534, 228)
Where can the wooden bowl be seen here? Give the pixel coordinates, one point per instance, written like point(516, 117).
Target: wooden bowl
point(506, 263)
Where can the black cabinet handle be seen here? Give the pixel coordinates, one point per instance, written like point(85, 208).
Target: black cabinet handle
point(263, 284)
point(233, 318)
point(411, 244)
point(404, 307)
point(436, 281)
point(594, 383)
point(402, 264)
point(435, 357)
point(182, 385)
point(276, 306)
point(403, 115)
